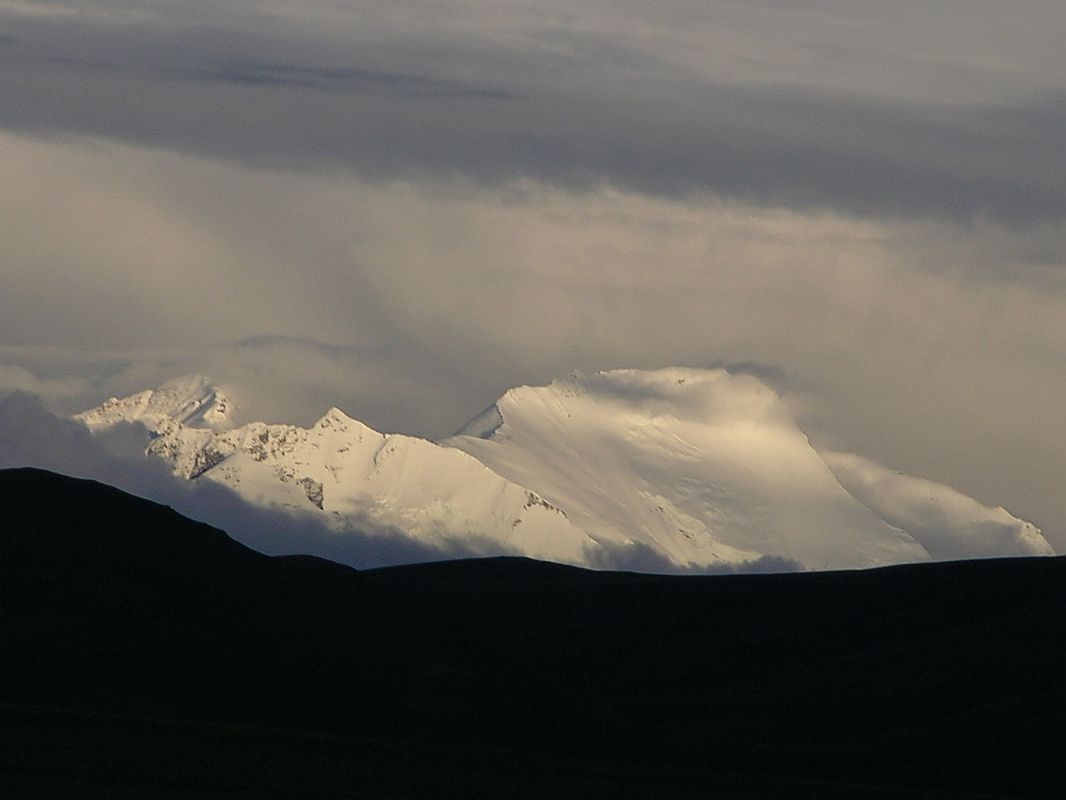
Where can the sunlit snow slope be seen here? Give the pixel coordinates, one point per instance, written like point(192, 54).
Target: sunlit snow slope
point(699, 466)
point(666, 469)
point(358, 478)
point(948, 523)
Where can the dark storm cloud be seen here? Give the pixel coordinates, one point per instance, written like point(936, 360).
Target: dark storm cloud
point(265, 101)
point(259, 73)
point(345, 80)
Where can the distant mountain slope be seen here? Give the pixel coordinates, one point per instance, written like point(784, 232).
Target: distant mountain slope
point(661, 470)
point(946, 675)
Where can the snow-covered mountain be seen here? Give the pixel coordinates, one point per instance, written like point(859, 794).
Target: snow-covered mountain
point(192, 402)
point(673, 468)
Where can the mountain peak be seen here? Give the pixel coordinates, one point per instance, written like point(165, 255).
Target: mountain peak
point(191, 400)
point(666, 469)
point(334, 416)
point(708, 396)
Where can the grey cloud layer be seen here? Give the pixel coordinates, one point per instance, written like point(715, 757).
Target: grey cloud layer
point(496, 110)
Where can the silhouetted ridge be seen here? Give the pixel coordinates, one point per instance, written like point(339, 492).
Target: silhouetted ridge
point(62, 517)
point(946, 675)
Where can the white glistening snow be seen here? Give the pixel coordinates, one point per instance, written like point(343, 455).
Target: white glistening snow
point(191, 401)
point(701, 466)
point(673, 468)
point(949, 524)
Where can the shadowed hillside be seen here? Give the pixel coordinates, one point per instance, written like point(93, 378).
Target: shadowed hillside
point(941, 675)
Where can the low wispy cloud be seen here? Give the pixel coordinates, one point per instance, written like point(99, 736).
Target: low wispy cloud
point(639, 557)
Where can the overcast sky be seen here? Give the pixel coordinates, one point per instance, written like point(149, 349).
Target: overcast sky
point(404, 208)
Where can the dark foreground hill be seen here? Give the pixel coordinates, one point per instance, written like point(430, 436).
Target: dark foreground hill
point(945, 676)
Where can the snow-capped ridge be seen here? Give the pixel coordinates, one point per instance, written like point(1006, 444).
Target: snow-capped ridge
point(356, 477)
point(192, 400)
point(701, 466)
point(682, 468)
point(484, 425)
point(334, 415)
point(948, 523)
